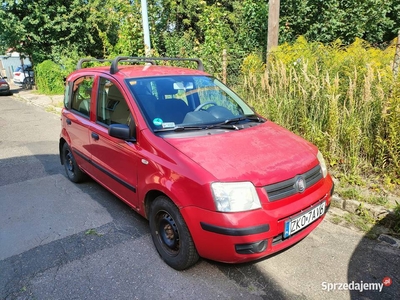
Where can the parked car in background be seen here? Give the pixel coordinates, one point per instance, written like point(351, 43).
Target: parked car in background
point(23, 75)
point(214, 178)
point(4, 86)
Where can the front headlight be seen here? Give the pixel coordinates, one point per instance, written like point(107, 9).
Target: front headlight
point(235, 196)
point(322, 164)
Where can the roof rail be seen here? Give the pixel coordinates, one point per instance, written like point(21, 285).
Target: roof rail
point(83, 60)
point(114, 64)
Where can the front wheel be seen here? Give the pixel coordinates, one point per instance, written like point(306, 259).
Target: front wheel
point(171, 235)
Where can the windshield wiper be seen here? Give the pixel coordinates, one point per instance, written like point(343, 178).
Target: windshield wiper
point(227, 124)
point(242, 118)
point(222, 125)
point(205, 127)
point(180, 128)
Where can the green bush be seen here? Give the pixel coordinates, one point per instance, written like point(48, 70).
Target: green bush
point(49, 78)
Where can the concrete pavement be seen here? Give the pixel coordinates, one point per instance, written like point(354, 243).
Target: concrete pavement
point(49, 102)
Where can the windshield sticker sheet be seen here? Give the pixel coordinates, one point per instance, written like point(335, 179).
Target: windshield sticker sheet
point(168, 125)
point(160, 122)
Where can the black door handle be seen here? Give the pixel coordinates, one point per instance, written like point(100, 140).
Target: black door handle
point(95, 136)
point(68, 121)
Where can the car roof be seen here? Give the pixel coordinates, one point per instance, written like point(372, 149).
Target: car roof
point(145, 71)
point(142, 67)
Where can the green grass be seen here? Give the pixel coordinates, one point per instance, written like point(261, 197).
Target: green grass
point(92, 232)
point(343, 99)
point(350, 193)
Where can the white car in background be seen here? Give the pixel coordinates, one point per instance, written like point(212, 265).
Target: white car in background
point(20, 74)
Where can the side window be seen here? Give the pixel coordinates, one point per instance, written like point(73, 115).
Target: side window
point(82, 91)
point(67, 94)
point(112, 107)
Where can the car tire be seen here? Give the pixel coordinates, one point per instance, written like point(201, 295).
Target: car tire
point(170, 234)
point(74, 173)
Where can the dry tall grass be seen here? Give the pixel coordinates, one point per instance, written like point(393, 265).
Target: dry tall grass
point(342, 99)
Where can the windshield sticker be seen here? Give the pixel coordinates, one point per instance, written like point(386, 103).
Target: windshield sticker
point(157, 121)
point(168, 125)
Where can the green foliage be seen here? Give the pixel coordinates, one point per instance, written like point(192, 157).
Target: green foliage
point(119, 26)
point(350, 193)
point(375, 21)
point(253, 64)
point(396, 225)
point(50, 78)
point(35, 27)
point(388, 137)
point(251, 24)
point(361, 221)
point(338, 98)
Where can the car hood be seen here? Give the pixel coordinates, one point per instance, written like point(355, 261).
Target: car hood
point(262, 154)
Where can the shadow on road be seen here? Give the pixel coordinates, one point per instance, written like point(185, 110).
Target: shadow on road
point(382, 264)
point(19, 270)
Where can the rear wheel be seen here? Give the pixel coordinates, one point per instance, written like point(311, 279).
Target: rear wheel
point(171, 235)
point(71, 168)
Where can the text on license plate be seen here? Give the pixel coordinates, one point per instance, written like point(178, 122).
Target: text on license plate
point(306, 218)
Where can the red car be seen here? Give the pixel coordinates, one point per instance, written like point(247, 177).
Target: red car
point(4, 86)
point(214, 178)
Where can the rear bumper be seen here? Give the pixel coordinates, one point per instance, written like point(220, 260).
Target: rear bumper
point(247, 236)
point(5, 91)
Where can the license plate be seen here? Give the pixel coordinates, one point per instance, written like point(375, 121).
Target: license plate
point(298, 223)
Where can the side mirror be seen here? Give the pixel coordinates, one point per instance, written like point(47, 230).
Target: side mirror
point(121, 131)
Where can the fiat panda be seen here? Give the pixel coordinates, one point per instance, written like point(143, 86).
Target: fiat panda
point(213, 177)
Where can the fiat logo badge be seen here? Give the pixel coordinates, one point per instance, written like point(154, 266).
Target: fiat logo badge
point(300, 184)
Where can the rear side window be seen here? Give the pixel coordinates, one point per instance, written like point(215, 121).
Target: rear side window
point(82, 92)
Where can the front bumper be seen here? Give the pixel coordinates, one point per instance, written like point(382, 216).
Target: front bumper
point(246, 236)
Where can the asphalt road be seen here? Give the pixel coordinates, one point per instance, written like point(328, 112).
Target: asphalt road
point(59, 240)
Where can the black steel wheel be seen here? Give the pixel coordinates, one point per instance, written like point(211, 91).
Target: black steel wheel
point(171, 235)
point(74, 173)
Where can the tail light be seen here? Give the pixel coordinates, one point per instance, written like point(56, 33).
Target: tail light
point(17, 74)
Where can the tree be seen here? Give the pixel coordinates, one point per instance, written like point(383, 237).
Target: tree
point(119, 26)
point(375, 21)
point(35, 27)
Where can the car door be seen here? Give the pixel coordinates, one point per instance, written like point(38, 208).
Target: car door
point(115, 160)
point(76, 119)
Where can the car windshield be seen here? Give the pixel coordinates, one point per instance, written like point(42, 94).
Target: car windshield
point(173, 102)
